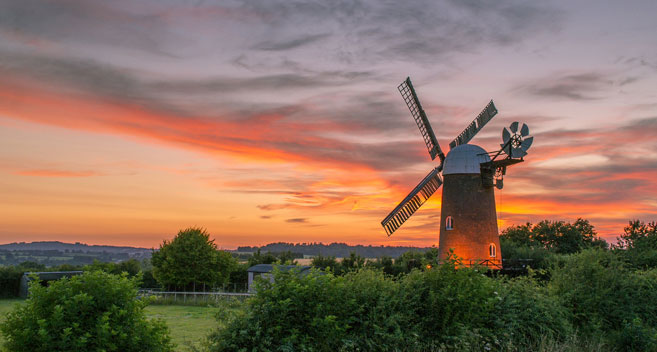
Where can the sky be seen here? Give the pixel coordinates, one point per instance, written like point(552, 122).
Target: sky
point(122, 122)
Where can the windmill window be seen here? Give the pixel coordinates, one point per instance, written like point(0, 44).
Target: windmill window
point(448, 223)
point(492, 250)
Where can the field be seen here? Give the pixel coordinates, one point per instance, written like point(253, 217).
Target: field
point(188, 324)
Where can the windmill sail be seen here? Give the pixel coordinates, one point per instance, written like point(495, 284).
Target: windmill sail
point(413, 201)
point(475, 126)
point(413, 103)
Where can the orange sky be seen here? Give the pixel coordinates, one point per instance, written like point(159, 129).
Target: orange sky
point(122, 123)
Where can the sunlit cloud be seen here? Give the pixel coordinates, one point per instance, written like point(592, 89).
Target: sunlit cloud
point(264, 118)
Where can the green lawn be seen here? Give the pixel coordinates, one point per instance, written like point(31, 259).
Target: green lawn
point(5, 306)
point(188, 324)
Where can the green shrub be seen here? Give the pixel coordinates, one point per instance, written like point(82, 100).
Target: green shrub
point(317, 312)
point(527, 314)
point(94, 311)
point(443, 305)
point(608, 299)
point(10, 281)
point(440, 309)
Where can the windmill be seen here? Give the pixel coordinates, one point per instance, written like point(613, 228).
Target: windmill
point(468, 218)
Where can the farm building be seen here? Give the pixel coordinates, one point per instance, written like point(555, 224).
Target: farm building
point(44, 278)
point(265, 271)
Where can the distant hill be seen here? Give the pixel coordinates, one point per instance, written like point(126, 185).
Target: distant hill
point(334, 249)
point(53, 253)
point(72, 247)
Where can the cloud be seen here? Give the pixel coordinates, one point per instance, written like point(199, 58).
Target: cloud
point(78, 22)
point(291, 44)
point(272, 206)
point(373, 31)
point(56, 173)
point(578, 86)
point(297, 220)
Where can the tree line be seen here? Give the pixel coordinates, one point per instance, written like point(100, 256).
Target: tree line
point(587, 296)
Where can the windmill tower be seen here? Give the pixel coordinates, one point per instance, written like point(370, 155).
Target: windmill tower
point(468, 218)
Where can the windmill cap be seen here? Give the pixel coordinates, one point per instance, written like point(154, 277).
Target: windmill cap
point(465, 159)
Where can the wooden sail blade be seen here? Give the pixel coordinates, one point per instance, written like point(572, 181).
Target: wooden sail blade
point(475, 126)
point(413, 201)
point(410, 98)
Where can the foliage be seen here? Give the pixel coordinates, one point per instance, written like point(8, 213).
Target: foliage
point(10, 276)
point(442, 308)
point(556, 236)
point(639, 236)
point(94, 311)
point(190, 261)
point(638, 244)
point(406, 262)
point(284, 258)
point(317, 312)
point(10, 280)
point(327, 263)
point(352, 263)
point(338, 250)
point(131, 267)
point(605, 297)
point(520, 255)
point(527, 313)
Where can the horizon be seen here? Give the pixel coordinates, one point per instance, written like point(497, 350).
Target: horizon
point(226, 249)
point(278, 121)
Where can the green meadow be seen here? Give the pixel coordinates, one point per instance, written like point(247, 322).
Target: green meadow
point(188, 324)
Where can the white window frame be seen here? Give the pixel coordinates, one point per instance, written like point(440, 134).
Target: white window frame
point(492, 250)
point(449, 223)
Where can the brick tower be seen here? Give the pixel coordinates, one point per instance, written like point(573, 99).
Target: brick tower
point(468, 216)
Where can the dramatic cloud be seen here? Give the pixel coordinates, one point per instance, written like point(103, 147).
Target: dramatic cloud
point(238, 113)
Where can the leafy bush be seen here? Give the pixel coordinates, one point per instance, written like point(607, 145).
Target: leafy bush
point(443, 305)
point(317, 312)
point(10, 281)
point(439, 309)
point(527, 314)
point(607, 298)
point(516, 255)
point(94, 311)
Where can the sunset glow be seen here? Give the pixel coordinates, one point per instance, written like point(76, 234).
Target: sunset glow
point(122, 122)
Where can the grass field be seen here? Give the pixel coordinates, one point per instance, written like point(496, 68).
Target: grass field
point(188, 324)
point(5, 306)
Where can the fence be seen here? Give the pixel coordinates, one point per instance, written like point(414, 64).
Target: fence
point(191, 297)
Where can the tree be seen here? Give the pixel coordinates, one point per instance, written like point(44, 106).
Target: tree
point(259, 258)
point(638, 244)
point(283, 258)
point(131, 266)
point(191, 260)
point(638, 235)
point(556, 236)
point(352, 262)
point(326, 263)
point(95, 311)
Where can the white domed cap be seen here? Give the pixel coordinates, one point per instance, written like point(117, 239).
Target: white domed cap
point(465, 159)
